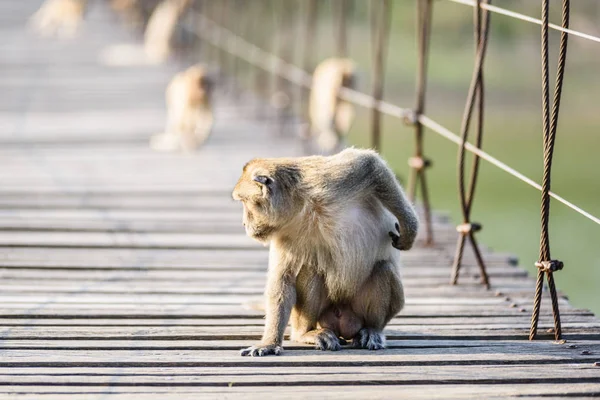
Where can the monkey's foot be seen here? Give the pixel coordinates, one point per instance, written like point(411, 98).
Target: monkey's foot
point(368, 338)
point(325, 339)
point(260, 350)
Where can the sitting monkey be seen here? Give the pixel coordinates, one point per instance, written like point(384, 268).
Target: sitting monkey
point(332, 265)
point(189, 112)
point(331, 117)
point(58, 17)
point(160, 28)
point(129, 10)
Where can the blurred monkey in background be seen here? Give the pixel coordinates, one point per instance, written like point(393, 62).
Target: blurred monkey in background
point(160, 28)
point(189, 112)
point(163, 17)
point(331, 117)
point(60, 18)
point(132, 11)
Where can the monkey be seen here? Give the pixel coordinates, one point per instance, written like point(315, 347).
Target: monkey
point(342, 321)
point(189, 111)
point(130, 10)
point(160, 28)
point(331, 117)
point(328, 221)
point(58, 17)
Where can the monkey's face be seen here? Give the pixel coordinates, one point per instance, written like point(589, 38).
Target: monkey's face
point(261, 189)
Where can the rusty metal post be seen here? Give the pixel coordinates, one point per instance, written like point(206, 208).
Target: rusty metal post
point(310, 28)
point(281, 98)
point(339, 10)
point(260, 80)
point(418, 163)
point(221, 53)
point(380, 11)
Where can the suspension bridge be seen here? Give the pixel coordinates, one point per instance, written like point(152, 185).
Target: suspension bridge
point(124, 272)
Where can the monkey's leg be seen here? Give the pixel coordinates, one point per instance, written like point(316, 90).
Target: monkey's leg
point(281, 296)
point(377, 302)
point(344, 117)
point(203, 126)
point(311, 301)
point(169, 140)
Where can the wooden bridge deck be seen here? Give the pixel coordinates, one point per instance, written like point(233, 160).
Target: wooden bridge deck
point(123, 271)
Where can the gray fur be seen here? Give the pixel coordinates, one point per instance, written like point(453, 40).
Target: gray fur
point(328, 221)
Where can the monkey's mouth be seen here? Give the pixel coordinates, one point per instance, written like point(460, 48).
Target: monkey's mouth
point(259, 233)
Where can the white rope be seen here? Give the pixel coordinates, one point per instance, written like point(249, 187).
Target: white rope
point(527, 18)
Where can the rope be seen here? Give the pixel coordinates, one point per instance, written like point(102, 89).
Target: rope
point(417, 163)
point(547, 266)
point(526, 18)
point(475, 96)
point(269, 62)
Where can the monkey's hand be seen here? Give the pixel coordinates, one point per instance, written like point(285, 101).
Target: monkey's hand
point(261, 350)
point(396, 238)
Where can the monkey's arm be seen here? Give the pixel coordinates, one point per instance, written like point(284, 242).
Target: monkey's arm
point(280, 298)
point(392, 196)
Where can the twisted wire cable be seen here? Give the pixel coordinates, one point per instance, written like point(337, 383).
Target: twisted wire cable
point(475, 97)
point(547, 266)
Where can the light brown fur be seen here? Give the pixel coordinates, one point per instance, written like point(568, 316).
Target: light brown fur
point(328, 221)
point(160, 28)
point(58, 17)
point(130, 10)
point(330, 116)
point(189, 112)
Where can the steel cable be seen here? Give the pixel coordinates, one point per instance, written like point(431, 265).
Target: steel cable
point(546, 266)
point(475, 97)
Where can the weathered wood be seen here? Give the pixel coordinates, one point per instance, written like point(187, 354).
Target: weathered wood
point(126, 273)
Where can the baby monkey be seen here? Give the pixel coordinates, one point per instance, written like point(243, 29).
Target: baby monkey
point(189, 112)
point(342, 321)
point(330, 116)
point(58, 17)
point(333, 225)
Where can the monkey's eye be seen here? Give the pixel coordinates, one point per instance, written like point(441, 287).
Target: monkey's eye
point(265, 180)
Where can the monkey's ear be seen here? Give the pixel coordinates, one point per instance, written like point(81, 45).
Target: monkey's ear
point(265, 180)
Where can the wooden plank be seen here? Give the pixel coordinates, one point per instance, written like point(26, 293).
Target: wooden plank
point(577, 331)
point(302, 357)
point(298, 376)
point(443, 345)
point(401, 319)
point(381, 391)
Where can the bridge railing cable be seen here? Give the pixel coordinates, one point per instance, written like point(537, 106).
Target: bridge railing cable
point(474, 98)
point(222, 38)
